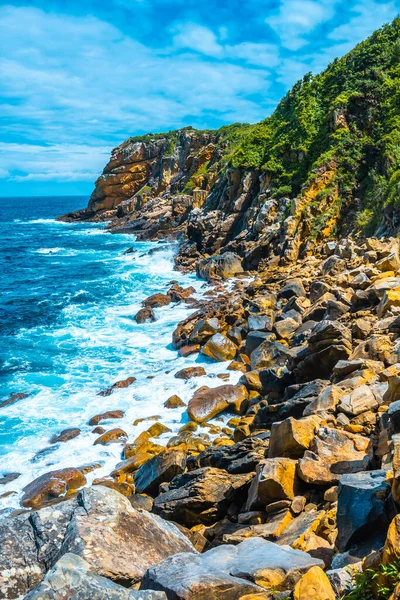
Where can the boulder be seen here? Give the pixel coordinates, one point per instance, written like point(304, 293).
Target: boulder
point(220, 348)
point(119, 542)
point(159, 469)
point(209, 402)
point(157, 300)
point(314, 585)
point(65, 435)
point(361, 505)
point(174, 402)
point(292, 437)
point(358, 401)
point(49, 486)
point(111, 437)
point(20, 569)
point(269, 354)
point(145, 314)
point(189, 372)
point(216, 574)
point(223, 265)
point(293, 287)
point(242, 457)
point(275, 480)
point(110, 414)
point(73, 577)
point(203, 330)
point(333, 453)
point(123, 383)
point(200, 496)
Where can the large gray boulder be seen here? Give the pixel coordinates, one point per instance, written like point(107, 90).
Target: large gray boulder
point(118, 541)
point(229, 572)
point(73, 577)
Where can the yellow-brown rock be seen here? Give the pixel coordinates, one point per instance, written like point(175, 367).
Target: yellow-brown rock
point(292, 437)
point(111, 437)
point(275, 480)
point(52, 485)
point(220, 348)
point(391, 550)
point(390, 299)
point(209, 402)
point(314, 585)
point(174, 402)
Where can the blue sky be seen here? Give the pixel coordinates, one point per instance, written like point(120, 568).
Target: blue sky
point(78, 77)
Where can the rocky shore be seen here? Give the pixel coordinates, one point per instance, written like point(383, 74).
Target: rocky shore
point(296, 497)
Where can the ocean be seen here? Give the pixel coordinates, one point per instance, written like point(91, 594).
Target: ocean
point(67, 300)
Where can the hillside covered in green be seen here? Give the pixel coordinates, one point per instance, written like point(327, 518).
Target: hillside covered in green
point(349, 114)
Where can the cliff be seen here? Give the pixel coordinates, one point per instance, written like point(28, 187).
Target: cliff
point(325, 164)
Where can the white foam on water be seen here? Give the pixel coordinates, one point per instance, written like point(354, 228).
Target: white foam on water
point(48, 250)
point(92, 347)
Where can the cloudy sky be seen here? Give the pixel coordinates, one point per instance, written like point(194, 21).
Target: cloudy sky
point(77, 77)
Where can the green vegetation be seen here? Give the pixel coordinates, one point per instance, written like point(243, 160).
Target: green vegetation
point(349, 114)
point(374, 585)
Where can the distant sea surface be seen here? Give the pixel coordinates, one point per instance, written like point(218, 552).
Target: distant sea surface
point(68, 296)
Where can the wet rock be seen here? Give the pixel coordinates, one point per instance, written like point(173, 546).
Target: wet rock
point(275, 480)
point(157, 300)
point(189, 372)
point(123, 383)
point(189, 349)
point(8, 477)
point(111, 414)
point(208, 402)
point(52, 485)
point(220, 348)
point(119, 542)
point(333, 453)
point(361, 504)
point(74, 577)
point(65, 435)
point(253, 562)
point(174, 402)
point(111, 437)
point(161, 468)
point(13, 399)
point(144, 315)
point(200, 496)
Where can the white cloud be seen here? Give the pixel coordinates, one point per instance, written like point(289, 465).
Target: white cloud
point(62, 162)
point(64, 79)
point(198, 38)
point(297, 18)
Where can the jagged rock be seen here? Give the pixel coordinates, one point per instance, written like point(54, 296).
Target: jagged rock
point(291, 437)
point(118, 541)
point(361, 504)
point(259, 323)
point(52, 485)
point(312, 585)
point(208, 402)
point(269, 354)
point(220, 348)
point(216, 574)
point(145, 314)
point(240, 458)
point(65, 435)
point(174, 402)
point(326, 401)
point(275, 480)
point(74, 577)
point(318, 289)
point(203, 330)
point(333, 453)
point(301, 526)
point(110, 414)
point(189, 372)
point(20, 569)
point(200, 496)
point(224, 265)
point(293, 287)
point(159, 469)
point(358, 401)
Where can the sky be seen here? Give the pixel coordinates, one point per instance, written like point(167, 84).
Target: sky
point(77, 77)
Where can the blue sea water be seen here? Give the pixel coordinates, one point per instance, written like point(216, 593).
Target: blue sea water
point(67, 300)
